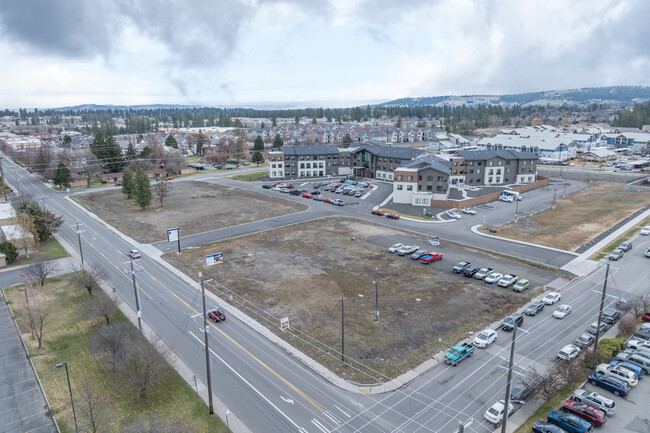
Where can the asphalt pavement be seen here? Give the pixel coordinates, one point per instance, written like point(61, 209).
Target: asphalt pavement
point(270, 390)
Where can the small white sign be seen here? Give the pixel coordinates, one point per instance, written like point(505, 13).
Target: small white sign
point(172, 235)
point(284, 323)
point(213, 259)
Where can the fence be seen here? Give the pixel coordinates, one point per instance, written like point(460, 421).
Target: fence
point(589, 175)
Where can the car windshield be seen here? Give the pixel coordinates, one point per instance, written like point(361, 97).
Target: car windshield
point(492, 411)
point(396, 246)
point(509, 320)
point(482, 336)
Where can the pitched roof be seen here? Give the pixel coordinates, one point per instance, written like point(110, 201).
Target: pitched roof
point(482, 155)
point(429, 161)
point(316, 149)
point(390, 152)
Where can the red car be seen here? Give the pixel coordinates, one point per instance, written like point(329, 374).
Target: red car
point(595, 416)
point(431, 257)
point(646, 316)
point(307, 195)
point(118, 183)
point(392, 216)
point(378, 212)
point(327, 200)
point(290, 186)
point(169, 178)
point(217, 315)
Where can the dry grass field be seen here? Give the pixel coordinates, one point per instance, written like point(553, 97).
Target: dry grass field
point(195, 207)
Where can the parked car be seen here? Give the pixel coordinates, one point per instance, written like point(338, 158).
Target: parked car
point(511, 321)
point(646, 316)
point(645, 231)
point(169, 178)
point(431, 257)
point(596, 400)
point(641, 334)
point(569, 422)
point(610, 315)
point(593, 328)
point(493, 278)
point(619, 372)
point(486, 337)
point(266, 186)
point(585, 411)
point(307, 195)
point(521, 285)
point(118, 183)
point(615, 255)
point(507, 280)
point(470, 271)
point(506, 198)
point(568, 352)
point(546, 427)
point(633, 368)
point(625, 246)
point(328, 200)
point(395, 247)
point(407, 249)
point(452, 215)
point(337, 202)
point(562, 311)
point(616, 386)
point(495, 413)
point(585, 340)
point(318, 197)
point(419, 253)
point(534, 308)
point(520, 391)
point(468, 211)
point(551, 298)
point(637, 344)
point(641, 351)
point(482, 273)
point(134, 254)
point(377, 212)
point(392, 216)
point(635, 359)
point(460, 267)
point(647, 253)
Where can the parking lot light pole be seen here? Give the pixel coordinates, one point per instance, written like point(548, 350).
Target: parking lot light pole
point(207, 349)
point(74, 415)
point(516, 209)
point(342, 328)
point(376, 301)
point(506, 410)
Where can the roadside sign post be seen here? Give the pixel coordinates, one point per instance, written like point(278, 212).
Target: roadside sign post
point(284, 324)
point(213, 259)
point(173, 235)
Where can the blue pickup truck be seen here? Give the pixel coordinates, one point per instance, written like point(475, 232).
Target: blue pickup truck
point(458, 353)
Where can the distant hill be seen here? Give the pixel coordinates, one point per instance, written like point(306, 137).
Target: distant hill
point(95, 107)
point(612, 95)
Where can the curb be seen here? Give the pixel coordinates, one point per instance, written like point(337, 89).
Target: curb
point(475, 230)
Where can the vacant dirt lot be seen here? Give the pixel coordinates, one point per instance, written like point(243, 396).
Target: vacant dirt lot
point(193, 206)
point(579, 217)
point(301, 272)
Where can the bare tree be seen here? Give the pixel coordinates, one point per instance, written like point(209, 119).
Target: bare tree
point(41, 269)
point(103, 306)
point(94, 412)
point(546, 384)
point(111, 342)
point(92, 168)
point(571, 370)
point(144, 366)
point(162, 188)
point(88, 277)
point(175, 162)
point(36, 310)
point(639, 303)
point(154, 424)
point(27, 228)
point(627, 325)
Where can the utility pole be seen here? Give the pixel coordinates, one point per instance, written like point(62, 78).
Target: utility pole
point(554, 193)
point(516, 209)
point(43, 201)
point(376, 302)
point(342, 329)
point(565, 183)
point(137, 296)
point(509, 382)
point(81, 251)
point(207, 350)
point(600, 316)
point(2, 173)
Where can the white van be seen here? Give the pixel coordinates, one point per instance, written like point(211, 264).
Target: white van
point(512, 194)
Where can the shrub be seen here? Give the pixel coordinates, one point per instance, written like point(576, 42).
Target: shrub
point(627, 325)
point(609, 347)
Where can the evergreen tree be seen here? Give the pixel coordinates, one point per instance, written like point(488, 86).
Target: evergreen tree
point(62, 176)
point(347, 140)
point(98, 146)
point(128, 186)
point(259, 143)
point(114, 160)
point(130, 152)
point(257, 157)
point(277, 142)
point(9, 250)
point(67, 140)
point(399, 122)
point(171, 142)
point(142, 190)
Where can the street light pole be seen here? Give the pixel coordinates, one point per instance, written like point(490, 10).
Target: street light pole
point(516, 209)
point(74, 415)
point(342, 329)
point(81, 252)
point(509, 382)
point(554, 193)
point(565, 182)
point(600, 316)
point(137, 297)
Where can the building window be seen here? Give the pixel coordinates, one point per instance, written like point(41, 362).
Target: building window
point(478, 171)
point(499, 162)
point(439, 178)
point(399, 177)
point(409, 187)
point(471, 171)
point(272, 165)
point(455, 171)
point(273, 158)
point(429, 178)
point(399, 187)
point(498, 179)
point(490, 171)
point(471, 163)
point(272, 173)
point(417, 201)
point(455, 164)
point(439, 188)
point(479, 163)
point(530, 179)
point(302, 165)
point(491, 163)
point(302, 174)
point(409, 178)
point(490, 179)
point(507, 162)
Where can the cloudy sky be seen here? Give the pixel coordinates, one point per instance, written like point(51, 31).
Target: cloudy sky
point(317, 52)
